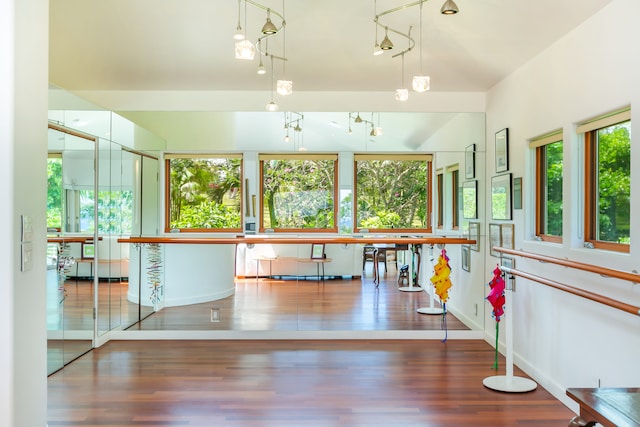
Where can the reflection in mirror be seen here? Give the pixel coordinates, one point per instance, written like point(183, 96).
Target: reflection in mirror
point(69, 283)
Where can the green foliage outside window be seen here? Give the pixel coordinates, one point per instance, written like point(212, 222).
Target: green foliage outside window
point(54, 193)
point(392, 194)
point(552, 187)
point(298, 194)
point(614, 183)
point(205, 193)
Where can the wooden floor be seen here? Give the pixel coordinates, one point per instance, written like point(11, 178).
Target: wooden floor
point(292, 383)
point(309, 305)
point(298, 382)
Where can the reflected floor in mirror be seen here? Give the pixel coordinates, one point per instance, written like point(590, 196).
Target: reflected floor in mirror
point(311, 305)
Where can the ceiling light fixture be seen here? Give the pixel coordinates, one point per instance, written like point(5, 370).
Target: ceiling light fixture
point(239, 35)
point(402, 94)
point(386, 43)
point(421, 83)
point(449, 8)
point(357, 119)
point(272, 106)
point(268, 27)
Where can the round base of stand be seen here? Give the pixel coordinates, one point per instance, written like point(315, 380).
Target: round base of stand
point(410, 289)
point(509, 384)
point(430, 310)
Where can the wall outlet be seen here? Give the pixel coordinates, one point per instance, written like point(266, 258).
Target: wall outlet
point(215, 315)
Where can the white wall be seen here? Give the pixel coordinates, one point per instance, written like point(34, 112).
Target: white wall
point(562, 340)
point(23, 138)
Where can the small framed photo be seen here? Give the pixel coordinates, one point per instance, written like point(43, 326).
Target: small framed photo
point(317, 250)
point(517, 193)
point(474, 234)
point(466, 257)
point(508, 262)
point(501, 197)
point(506, 236)
point(88, 250)
point(494, 239)
point(502, 150)
point(470, 162)
point(470, 199)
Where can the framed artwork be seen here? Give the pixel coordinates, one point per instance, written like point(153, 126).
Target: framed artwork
point(517, 193)
point(494, 239)
point(470, 162)
point(502, 150)
point(88, 250)
point(474, 234)
point(501, 197)
point(470, 199)
point(506, 236)
point(317, 250)
point(466, 258)
point(508, 262)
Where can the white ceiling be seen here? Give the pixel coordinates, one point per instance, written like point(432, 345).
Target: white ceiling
point(187, 45)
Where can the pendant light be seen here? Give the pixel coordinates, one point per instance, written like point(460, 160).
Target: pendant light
point(421, 83)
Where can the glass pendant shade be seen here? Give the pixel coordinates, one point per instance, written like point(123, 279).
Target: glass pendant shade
point(402, 94)
point(272, 106)
point(245, 50)
point(421, 83)
point(284, 87)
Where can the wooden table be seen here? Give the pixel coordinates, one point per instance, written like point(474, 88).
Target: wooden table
point(611, 407)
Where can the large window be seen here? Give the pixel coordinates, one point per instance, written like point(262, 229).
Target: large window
point(299, 192)
point(393, 192)
point(204, 192)
point(549, 166)
point(607, 180)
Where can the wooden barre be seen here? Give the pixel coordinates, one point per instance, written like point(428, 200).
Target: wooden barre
point(294, 240)
point(575, 291)
point(609, 272)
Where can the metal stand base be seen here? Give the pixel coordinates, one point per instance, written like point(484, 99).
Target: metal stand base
point(430, 310)
point(410, 289)
point(509, 384)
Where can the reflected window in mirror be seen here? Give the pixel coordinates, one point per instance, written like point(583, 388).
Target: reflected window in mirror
point(203, 192)
point(393, 192)
point(299, 192)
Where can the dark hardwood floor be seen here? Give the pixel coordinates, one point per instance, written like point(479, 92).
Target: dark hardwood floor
point(292, 383)
point(296, 382)
point(308, 305)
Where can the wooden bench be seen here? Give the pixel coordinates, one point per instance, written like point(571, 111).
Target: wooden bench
point(611, 407)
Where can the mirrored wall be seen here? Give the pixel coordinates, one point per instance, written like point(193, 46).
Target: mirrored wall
point(99, 190)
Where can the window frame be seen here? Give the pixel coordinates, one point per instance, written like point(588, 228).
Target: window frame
point(299, 157)
point(456, 194)
point(540, 144)
point(428, 158)
point(590, 129)
point(167, 190)
point(440, 196)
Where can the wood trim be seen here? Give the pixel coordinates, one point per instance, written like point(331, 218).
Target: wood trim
point(576, 291)
point(294, 240)
point(603, 271)
point(590, 205)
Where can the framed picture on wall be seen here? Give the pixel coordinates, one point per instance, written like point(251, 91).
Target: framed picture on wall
point(502, 150)
point(470, 162)
point(474, 234)
point(501, 197)
point(494, 239)
point(466, 257)
point(507, 239)
point(517, 193)
point(470, 199)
